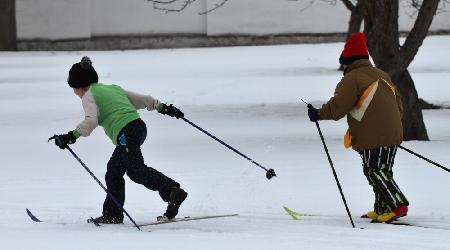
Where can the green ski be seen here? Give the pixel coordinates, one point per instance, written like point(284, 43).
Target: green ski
point(295, 215)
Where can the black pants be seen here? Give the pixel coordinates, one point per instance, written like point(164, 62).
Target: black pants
point(127, 157)
point(377, 165)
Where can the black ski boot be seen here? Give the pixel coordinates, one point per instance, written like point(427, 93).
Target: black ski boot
point(106, 220)
point(177, 196)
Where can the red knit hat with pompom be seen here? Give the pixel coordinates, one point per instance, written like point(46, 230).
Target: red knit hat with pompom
point(355, 48)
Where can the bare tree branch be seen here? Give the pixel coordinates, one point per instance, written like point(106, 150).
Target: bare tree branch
point(418, 33)
point(168, 6)
point(308, 5)
point(348, 4)
point(417, 4)
point(331, 2)
point(311, 2)
point(216, 6)
point(356, 17)
point(163, 2)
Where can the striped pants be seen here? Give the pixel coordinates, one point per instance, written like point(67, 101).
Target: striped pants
point(377, 165)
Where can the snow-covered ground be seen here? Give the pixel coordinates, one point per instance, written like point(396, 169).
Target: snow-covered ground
point(250, 98)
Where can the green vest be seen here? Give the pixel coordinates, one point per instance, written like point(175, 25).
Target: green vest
point(115, 110)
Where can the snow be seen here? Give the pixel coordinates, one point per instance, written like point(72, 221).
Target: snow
point(250, 98)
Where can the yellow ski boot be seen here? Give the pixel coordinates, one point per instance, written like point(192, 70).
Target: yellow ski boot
point(371, 215)
point(390, 216)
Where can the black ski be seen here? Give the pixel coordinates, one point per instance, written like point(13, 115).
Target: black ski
point(35, 219)
point(401, 223)
point(91, 220)
point(398, 223)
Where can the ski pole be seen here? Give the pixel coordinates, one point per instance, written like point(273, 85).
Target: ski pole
point(101, 185)
point(104, 188)
point(332, 168)
point(269, 172)
point(424, 158)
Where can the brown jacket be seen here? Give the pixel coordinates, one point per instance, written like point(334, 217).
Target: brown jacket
point(372, 104)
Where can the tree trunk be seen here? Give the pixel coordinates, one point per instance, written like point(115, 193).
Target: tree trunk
point(413, 125)
point(381, 28)
point(8, 33)
point(356, 18)
point(357, 14)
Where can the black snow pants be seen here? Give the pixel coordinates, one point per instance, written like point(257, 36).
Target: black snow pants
point(377, 165)
point(127, 158)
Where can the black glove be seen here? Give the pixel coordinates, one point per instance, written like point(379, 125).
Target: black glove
point(63, 140)
point(313, 113)
point(170, 110)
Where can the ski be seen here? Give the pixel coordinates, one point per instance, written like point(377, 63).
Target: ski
point(398, 223)
point(161, 220)
point(36, 219)
point(296, 215)
point(188, 218)
point(407, 224)
point(32, 217)
point(91, 220)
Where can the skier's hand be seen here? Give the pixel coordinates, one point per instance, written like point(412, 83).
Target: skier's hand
point(313, 113)
point(170, 110)
point(63, 140)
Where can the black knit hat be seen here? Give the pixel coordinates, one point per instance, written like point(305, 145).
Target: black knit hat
point(82, 74)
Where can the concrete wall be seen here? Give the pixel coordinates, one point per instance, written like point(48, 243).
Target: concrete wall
point(53, 19)
point(261, 17)
point(137, 17)
point(284, 16)
point(79, 19)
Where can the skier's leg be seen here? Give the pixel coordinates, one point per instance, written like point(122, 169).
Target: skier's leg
point(168, 189)
point(115, 184)
point(147, 176)
point(388, 160)
point(130, 139)
point(380, 174)
point(383, 177)
point(378, 206)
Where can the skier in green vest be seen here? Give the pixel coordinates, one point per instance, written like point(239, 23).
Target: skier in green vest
point(115, 109)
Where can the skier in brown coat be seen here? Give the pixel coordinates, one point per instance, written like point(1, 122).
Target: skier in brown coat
point(372, 104)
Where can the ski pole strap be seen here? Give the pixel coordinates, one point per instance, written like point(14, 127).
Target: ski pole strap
point(104, 188)
point(270, 172)
point(424, 158)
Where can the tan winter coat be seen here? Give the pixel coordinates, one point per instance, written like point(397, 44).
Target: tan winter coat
point(372, 104)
